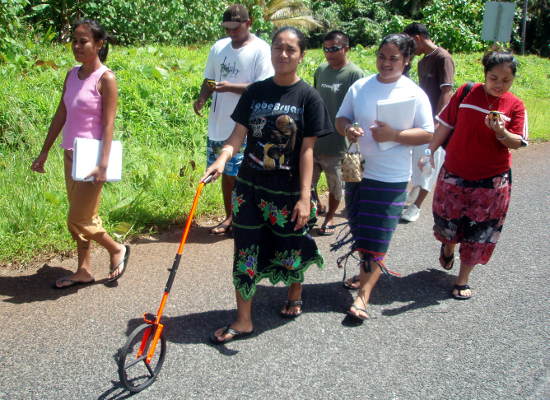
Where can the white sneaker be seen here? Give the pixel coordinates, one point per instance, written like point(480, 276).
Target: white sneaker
point(411, 214)
point(413, 194)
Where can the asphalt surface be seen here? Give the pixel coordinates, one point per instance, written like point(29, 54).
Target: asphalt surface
point(420, 343)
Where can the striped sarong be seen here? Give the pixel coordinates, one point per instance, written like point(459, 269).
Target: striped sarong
point(373, 209)
point(378, 209)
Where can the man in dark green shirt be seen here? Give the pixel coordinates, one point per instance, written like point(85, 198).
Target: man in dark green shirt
point(332, 80)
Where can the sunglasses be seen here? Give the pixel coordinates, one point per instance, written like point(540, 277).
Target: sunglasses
point(332, 49)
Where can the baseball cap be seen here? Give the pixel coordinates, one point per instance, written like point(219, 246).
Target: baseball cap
point(234, 16)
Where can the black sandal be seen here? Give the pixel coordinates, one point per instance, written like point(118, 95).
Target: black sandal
point(460, 288)
point(446, 262)
point(348, 283)
point(236, 335)
point(291, 303)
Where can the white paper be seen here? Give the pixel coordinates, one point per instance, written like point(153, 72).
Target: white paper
point(398, 114)
point(86, 156)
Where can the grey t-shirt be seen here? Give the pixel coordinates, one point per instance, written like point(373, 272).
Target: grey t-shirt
point(333, 85)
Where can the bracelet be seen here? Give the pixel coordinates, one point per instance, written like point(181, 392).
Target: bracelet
point(230, 151)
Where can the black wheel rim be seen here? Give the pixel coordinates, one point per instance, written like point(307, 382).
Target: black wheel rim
point(135, 373)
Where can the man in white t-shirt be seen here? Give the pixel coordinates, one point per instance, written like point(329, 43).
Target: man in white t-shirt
point(234, 62)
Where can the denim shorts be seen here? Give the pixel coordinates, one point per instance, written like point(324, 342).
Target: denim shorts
point(213, 150)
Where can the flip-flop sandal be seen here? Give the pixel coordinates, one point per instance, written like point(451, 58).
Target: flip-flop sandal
point(357, 318)
point(72, 283)
point(236, 335)
point(348, 283)
point(460, 288)
point(446, 262)
point(221, 229)
point(327, 230)
point(291, 303)
point(123, 263)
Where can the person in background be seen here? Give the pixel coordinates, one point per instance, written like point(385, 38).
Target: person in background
point(234, 63)
point(332, 80)
point(436, 75)
point(280, 118)
point(472, 193)
point(87, 109)
point(378, 200)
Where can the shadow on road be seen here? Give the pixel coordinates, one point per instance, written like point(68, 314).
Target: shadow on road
point(196, 328)
point(425, 288)
point(39, 286)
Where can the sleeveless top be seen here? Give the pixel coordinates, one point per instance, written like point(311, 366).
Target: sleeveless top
point(84, 107)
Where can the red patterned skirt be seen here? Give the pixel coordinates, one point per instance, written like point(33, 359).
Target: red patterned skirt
point(471, 213)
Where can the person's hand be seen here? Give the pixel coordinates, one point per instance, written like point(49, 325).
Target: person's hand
point(354, 132)
point(98, 175)
point(382, 132)
point(38, 164)
point(223, 86)
point(198, 105)
point(300, 213)
point(216, 169)
point(496, 123)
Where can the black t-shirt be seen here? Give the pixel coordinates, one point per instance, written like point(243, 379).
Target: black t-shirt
point(278, 118)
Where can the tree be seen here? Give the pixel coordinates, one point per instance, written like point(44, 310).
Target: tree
point(295, 13)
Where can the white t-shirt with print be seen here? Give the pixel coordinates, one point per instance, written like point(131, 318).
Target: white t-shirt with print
point(359, 105)
point(248, 64)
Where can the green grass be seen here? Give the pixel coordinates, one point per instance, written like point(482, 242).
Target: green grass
point(164, 141)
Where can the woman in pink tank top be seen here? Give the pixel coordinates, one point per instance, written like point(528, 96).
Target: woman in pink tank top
point(87, 109)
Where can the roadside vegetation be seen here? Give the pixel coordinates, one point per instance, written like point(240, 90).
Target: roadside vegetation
point(158, 57)
point(163, 140)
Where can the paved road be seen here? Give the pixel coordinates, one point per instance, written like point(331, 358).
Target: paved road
point(420, 344)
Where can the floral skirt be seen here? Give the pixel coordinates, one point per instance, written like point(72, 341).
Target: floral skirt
point(471, 213)
point(266, 245)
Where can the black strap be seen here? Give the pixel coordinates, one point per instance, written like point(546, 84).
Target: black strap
point(465, 92)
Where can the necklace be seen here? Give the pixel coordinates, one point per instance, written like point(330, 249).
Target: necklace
point(490, 104)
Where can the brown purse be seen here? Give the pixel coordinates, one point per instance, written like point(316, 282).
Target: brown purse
point(352, 165)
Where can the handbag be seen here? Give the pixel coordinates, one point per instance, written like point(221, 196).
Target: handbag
point(352, 165)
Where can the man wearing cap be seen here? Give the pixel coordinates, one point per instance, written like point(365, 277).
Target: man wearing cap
point(233, 63)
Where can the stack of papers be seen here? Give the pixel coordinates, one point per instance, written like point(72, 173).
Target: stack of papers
point(86, 156)
point(397, 113)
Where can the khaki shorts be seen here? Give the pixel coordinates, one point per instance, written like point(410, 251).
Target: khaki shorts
point(332, 167)
point(84, 198)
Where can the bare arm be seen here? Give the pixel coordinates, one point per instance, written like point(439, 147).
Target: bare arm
point(505, 137)
point(444, 98)
point(300, 213)
point(413, 137)
point(56, 125)
point(231, 147)
point(204, 95)
point(237, 88)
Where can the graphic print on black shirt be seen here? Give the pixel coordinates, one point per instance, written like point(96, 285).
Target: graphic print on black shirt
point(274, 116)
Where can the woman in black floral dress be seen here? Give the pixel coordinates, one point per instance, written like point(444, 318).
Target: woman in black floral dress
point(280, 118)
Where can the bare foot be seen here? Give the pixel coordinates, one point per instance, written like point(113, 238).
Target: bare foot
point(293, 306)
point(116, 260)
point(359, 309)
